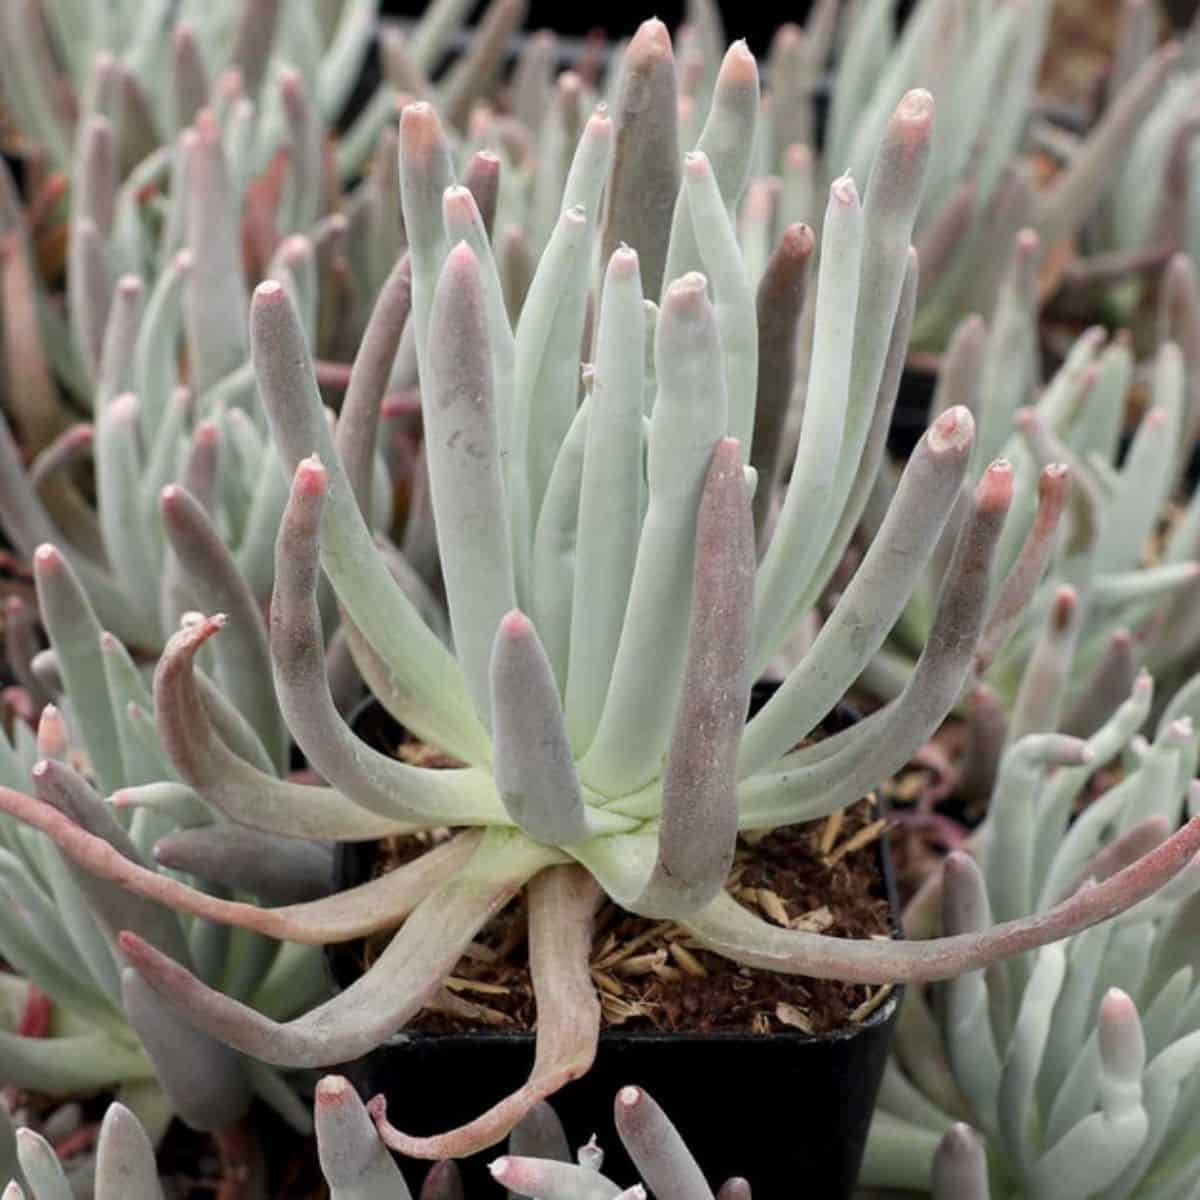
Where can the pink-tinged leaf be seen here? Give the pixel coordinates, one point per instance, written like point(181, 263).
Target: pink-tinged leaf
point(215, 287)
point(65, 793)
point(201, 466)
point(562, 901)
point(483, 182)
point(942, 237)
point(987, 732)
point(357, 432)
point(380, 784)
point(396, 987)
point(230, 784)
point(781, 293)
point(1123, 851)
point(661, 1156)
point(52, 739)
point(1012, 600)
point(67, 450)
point(899, 729)
point(74, 633)
point(542, 1179)
point(473, 74)
point(1106, 688)
point(276, 870)
point(539, 1134)
point(213, 577)
point(729, 929)
point(371, 906)
point(1043, 689)
point(89, 290)
point(699, 806)
point(644, 180)
point(189, 77)
point(444, 1182)
point(875, 596)
point(29, 386)
point(253, 40)
point(354, 1161)
point(207, 1083)
point(534, 768)
point(1066, 204)
point(462, 448)
point(960, 1170)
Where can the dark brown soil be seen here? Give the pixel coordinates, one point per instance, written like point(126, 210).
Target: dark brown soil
point(823, 877)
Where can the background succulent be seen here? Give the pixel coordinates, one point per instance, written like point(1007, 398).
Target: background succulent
point(981, 63)
point(565, 790)
point(357, 1166)
point(1074, 1065)
point(1146, 210)
point(1117, 592)
point(107, 1030)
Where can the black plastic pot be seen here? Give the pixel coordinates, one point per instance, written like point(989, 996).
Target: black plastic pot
point(776, 1108)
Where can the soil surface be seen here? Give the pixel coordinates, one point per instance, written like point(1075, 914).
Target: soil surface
point(823, 877)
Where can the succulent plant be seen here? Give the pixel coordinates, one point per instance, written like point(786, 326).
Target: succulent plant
point(357, 1166)
point(97, 101)
point(1111, 599)
point(537, 1164)
point(189, 496)
point(106, 1029)
point(1075, 1064)
point(125, 1163)
point(165, 238)
point(603, 738)
point(981, 62)
point(1146, 211)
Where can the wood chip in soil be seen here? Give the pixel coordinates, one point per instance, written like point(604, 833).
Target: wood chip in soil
point(822, 877)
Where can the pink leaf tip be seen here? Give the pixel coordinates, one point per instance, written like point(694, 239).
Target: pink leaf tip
point(462, 259)
point(47, 557)
point(952, 432)
point(515, 624)
point(914, 115)
point(331, 1091)
point(844, 192)
point(687, 292)
point(739, 65)
point(1066, 601)
point(124, 407)
point(205, 122)
point(651, 41)
point(206, 433)
point(995, 490)
point(311, 476)
point(270, 291)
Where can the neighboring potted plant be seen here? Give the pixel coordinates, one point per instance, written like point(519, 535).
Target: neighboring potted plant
point(599, 560)
point(565, 791)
